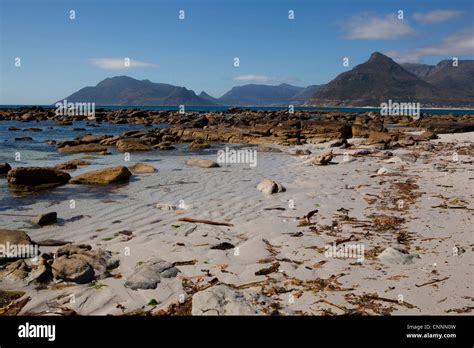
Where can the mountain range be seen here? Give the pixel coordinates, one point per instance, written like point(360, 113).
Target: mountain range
point(380, 79)
point(371, 83)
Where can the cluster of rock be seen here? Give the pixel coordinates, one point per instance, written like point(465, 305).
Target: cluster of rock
point(70, 263)
point(234, 126)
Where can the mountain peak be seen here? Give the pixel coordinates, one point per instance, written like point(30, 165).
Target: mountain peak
point(377, 56)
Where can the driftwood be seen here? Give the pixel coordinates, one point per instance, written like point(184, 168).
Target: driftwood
point(209, 222)
point(431, 282)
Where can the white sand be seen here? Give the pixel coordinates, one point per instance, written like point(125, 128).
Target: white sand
point(229, 194)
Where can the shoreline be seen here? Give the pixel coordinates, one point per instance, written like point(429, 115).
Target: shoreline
point(272, 259)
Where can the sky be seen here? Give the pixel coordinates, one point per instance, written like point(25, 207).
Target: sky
point(59, 55)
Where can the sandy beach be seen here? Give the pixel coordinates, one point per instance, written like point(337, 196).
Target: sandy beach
point(417, 200)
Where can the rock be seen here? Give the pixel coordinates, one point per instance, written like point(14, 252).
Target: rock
point(149, 274)
point(425, 136)
point(166, 206)
point(383, 171)
point(45, 219)
point(362, 153)
point(300, 152)
point(72, 164)
point(164, 146)
point(199, 144)
point(105, 176)
point(395, 256)
point(406, 141)
point(342, 143)
point(223, 246)
point(82, 148)
point(378, 138)
point(445, 127)
point(408, 157)
point(394, 159)
point(203, 163)
point(269, 187)
point(132, 144)
point(223, 300)
point(141, 168)
point(14, 238)
point(34, 176)
point(441, 167)
point(263, 148)
point(321, 160)
point(4, 168)
point(14, 271)
point(72, 269)
point(23, 138)
point(80, 264)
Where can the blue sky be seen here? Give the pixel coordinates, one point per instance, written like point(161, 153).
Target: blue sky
point(59, 55)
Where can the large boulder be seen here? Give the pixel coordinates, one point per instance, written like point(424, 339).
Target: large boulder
point(73, 269)
point(105, 176)
point(149, 274)
point(80, 264)
point(82, 148)
point(203, 163)
point(35, 176)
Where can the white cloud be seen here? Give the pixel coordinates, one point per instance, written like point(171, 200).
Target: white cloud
point(459, 43)
point(119, 63)
point(436, 16)
point(370, 27)
point(264, 78)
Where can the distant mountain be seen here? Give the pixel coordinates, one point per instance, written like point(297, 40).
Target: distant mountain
point(124, 90)
point(458, 78)
point(260, 95)
point(205, 96)
point(380, 79)
point(302, 96)
point(420, 70)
